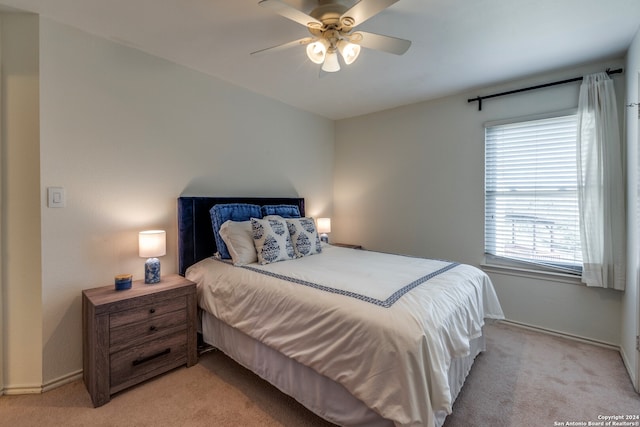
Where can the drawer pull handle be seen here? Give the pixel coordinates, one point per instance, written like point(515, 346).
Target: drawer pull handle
point(153, 310)
point(149, 358)
point(152, 328)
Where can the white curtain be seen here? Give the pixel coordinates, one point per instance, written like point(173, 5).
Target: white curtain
point(601, 185)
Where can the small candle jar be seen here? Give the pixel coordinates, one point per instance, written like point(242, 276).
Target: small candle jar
point(123, 281)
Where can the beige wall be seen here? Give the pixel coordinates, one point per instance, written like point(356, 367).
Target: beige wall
point(631, 302)
point(21, 261)
point(126, 133)
point(411, 180)
point(2, 204)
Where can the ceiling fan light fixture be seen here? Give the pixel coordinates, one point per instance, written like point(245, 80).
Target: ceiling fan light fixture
point(349, 51)
point(317, 51)
point(331, 64)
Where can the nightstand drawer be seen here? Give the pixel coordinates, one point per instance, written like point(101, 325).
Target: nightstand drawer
point(135, 364)
point(147, 312)
point(136, 333)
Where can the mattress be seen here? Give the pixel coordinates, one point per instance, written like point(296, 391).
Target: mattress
point(384, 327)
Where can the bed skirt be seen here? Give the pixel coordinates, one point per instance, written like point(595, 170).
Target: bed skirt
point(321, 395)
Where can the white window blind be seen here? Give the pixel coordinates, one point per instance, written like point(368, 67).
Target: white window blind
point(531, 201)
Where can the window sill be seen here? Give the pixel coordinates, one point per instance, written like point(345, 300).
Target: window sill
point(531, 274)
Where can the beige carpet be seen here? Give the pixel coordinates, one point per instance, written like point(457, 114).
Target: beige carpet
point(527, 378)
point(524, 379)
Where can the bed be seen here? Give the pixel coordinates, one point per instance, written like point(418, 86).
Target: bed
point(388, 341)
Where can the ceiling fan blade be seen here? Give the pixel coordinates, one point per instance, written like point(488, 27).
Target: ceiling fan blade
point(365, 9)
point(299, 42)
point(379, 42)
point(288, 11)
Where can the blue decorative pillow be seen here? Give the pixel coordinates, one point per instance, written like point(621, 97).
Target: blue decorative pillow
point(285, 211)
point(234, 212)
point(304, 236)
point(272, 240)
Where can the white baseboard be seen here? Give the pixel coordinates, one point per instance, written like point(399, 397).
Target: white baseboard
point(60, 381)
point(37, 389)
point(630, 369)
point(10, 390)
point(563, 335)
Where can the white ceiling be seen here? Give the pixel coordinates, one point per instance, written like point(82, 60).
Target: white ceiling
point(457, 44)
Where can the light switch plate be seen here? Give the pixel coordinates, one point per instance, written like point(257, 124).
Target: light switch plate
point(56, 197)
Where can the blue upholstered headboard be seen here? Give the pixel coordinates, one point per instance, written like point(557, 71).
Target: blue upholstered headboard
point(195, 233)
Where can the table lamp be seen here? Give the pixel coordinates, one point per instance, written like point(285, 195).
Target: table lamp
point(152, 244)
point(324, 227)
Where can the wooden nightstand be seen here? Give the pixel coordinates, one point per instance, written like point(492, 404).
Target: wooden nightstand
point(347, 245)
point(132, 335)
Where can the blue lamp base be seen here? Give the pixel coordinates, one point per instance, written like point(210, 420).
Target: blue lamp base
point(324, 237)
point(152, 271)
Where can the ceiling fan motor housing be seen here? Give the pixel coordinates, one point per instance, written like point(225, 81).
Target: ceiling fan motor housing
point(330, 14)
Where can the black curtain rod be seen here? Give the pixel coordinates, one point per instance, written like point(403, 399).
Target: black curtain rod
point(561, 82)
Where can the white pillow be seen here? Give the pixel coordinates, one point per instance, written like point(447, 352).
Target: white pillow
point(304, 236)
point(271, 239)
point(238, 237)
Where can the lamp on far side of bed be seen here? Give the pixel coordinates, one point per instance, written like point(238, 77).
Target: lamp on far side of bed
point(324, 227)
point(152, 244)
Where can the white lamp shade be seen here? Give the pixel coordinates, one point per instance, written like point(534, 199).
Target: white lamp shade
point(316, 51)
point(324, 225)
point(331, 64)
point(152, 243)
point(349, 51)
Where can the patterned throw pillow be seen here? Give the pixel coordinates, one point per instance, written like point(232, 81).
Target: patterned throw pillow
point(304, 236)
point(272, 240)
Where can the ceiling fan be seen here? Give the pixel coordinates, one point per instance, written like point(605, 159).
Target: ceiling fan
point(331, 25)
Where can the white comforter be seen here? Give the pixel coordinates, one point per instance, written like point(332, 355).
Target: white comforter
point(330, 314)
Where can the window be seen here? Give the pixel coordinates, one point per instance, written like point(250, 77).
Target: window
point(531, 200)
